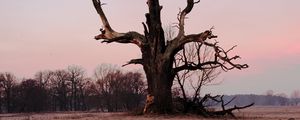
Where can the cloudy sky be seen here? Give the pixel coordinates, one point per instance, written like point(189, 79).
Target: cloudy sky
point(52, 34)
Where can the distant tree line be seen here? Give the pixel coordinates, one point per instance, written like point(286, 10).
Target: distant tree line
point(259, 100)
point(110, 89)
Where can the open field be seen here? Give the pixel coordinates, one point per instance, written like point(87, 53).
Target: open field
point(254, 113)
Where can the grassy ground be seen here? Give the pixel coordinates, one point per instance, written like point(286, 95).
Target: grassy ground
point(254, 113)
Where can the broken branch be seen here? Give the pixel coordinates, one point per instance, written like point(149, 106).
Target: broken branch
point(109, 35)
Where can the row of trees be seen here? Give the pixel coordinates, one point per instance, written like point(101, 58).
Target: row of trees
point(71, 90)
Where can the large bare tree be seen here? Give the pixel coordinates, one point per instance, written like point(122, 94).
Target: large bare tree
point(158, 55)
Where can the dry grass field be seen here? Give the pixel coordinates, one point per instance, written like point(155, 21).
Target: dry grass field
point(254, 113)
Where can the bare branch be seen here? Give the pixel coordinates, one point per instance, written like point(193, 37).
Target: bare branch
point(224, 111)
point(133, 61)
point(231, 48)
point(229, 111)
point(182, 16)
point(109, 35)
point(98, 7)
point(220, 60)
point(230, 100)
point(130, 37)
point(219, 52)
point(177, 43)
point(197, 2)
point(208, 96)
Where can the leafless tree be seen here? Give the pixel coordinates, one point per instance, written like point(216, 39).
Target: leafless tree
point(102, 85)
point(32, 96)
point(60, 89)
point(91, 95)
point(77, 80)
point(133, 90)
point(158, 55)
point(44, 77)
point(102, 70)
point(7, 82)
point(116, 90)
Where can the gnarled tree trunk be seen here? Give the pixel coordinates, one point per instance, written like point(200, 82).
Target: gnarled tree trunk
point(157, 66)
point(160, 80)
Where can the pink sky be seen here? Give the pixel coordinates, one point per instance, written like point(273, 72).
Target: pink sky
point(52, 34)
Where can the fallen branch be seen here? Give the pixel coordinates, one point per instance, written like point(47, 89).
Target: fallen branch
point(230, 110)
